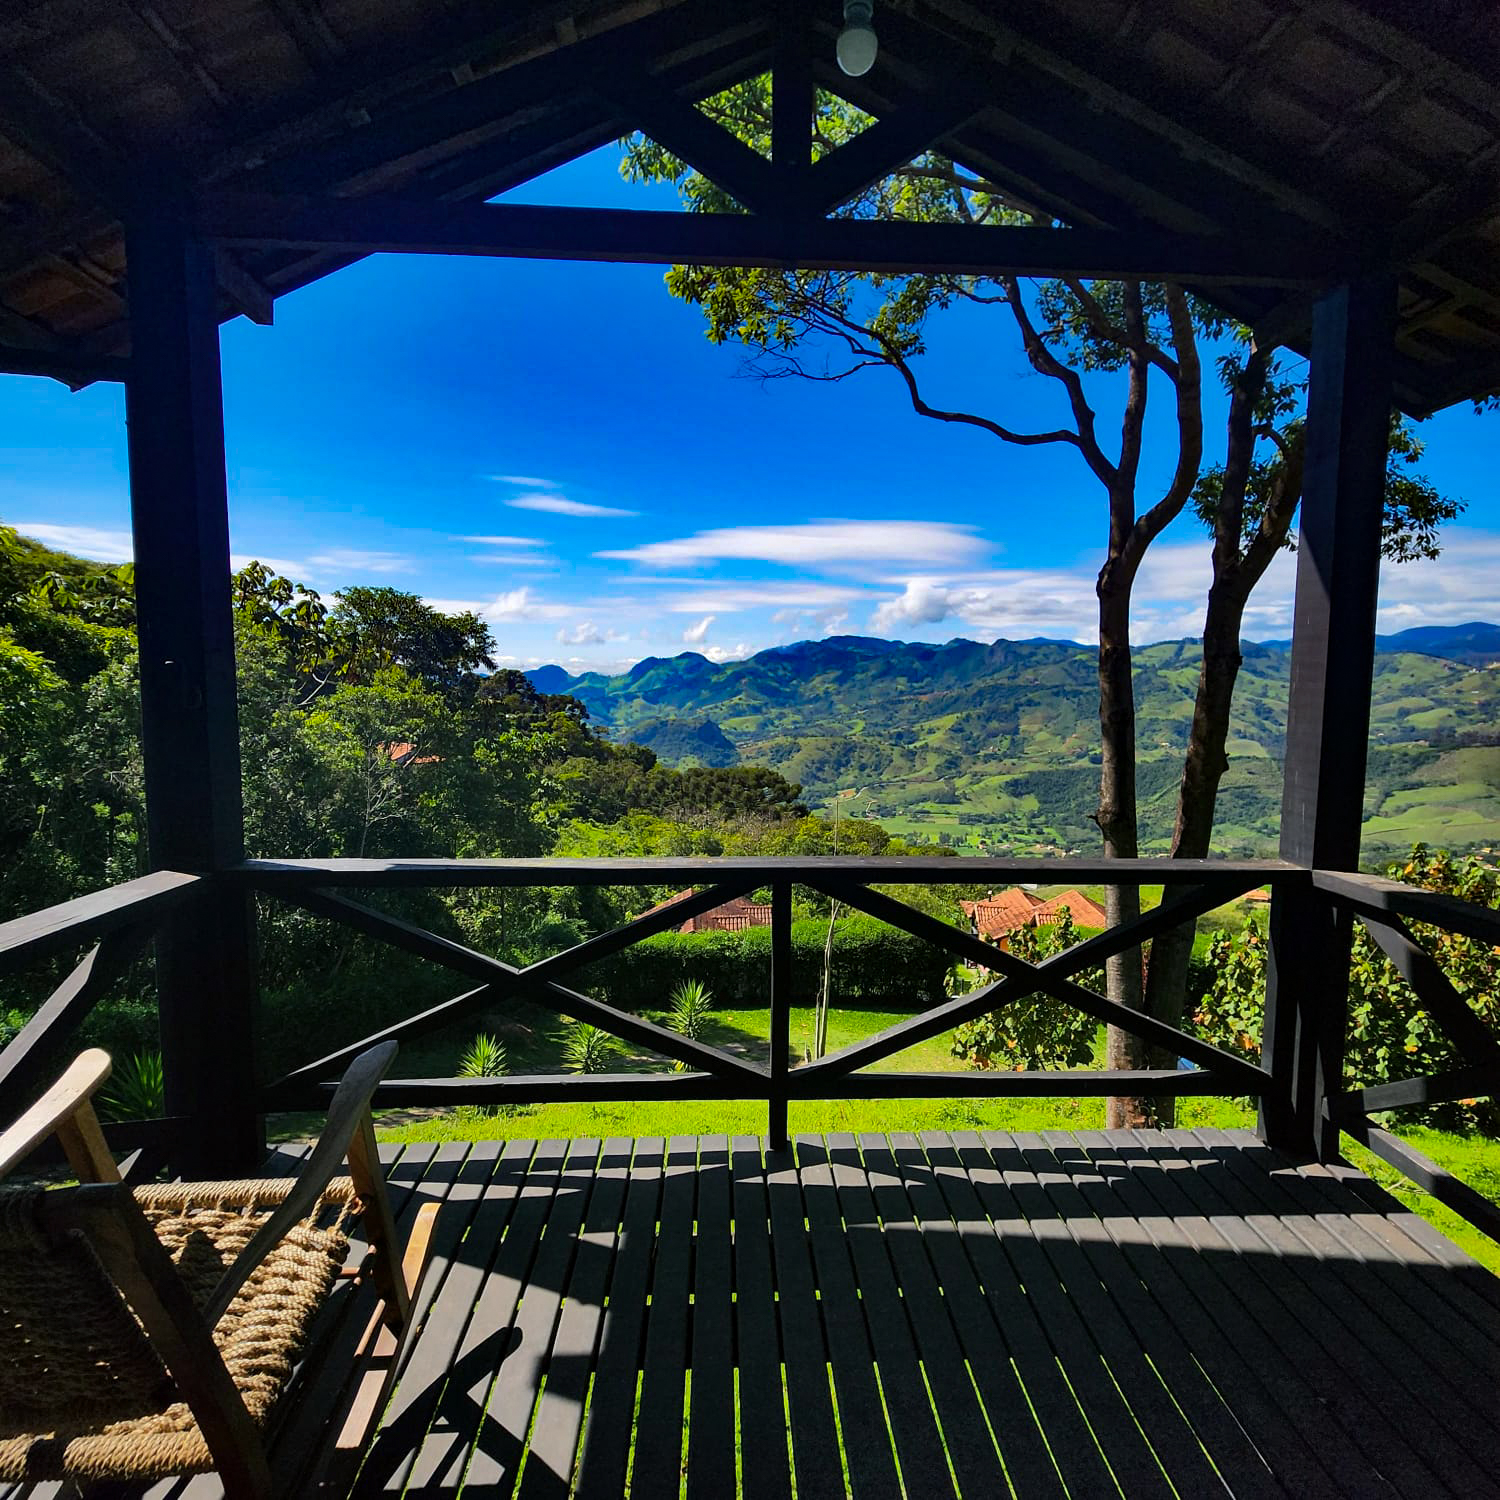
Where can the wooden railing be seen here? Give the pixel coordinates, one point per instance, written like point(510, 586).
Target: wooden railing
point(1299, 1080)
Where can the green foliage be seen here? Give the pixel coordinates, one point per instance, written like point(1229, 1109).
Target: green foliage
point(483, 1058)
point(137, 1089)
point(1390, 1036)
point(1034, 1031)
point(587, 1049)
point(871, 961)
point(691, 1011)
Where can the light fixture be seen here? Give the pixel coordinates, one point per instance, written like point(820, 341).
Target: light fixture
point(857, 42)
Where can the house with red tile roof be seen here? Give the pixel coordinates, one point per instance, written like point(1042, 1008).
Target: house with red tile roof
point(734, 915)
point(1002, 912)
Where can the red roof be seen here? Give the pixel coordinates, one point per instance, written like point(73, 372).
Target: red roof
point(1004, 911)
point(734, 915)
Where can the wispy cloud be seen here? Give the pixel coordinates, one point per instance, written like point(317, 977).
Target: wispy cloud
point(560, 505)
point(826, 545)
point(353, 560)
point(515, 559)
point(93, 542)
point(527, 481)
point(503, 541)
point(731, 598)
point(694, 634)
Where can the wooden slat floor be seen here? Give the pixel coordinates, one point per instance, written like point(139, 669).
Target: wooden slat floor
point(1147, 1313)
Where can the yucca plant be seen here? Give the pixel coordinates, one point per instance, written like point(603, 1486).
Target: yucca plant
point(587, 1049)
point(692, 1009)
point(137, 1089)
point(485, 1058)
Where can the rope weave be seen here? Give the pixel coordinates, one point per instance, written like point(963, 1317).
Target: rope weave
point(83, 1395)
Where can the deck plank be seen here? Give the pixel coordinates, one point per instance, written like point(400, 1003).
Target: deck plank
point(459, 1425)
point(657, 1466)
point(914, 1425)
point(762, 1407)
point(483, 1195)
point(559, 1416)
point(815, 1441)
point(861, 1415)
point(605, 1460)
point(711, 1428)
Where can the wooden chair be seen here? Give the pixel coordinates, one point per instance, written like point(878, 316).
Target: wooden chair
point(148, 1332)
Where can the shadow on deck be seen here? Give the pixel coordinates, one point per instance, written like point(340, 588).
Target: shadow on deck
point(1144, 1313)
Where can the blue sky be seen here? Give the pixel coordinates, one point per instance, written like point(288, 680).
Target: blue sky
point(559, 447)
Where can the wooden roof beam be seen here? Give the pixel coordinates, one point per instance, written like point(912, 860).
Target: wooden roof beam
point(57, 362)
point(892, 142)
point(704, 144)
point(380, 224)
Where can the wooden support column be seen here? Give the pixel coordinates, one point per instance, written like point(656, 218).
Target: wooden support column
point(1328, 714)
point(777, 1137)
point(189, 713)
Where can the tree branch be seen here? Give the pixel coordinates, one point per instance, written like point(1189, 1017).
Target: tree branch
point(1189, 388)
point(1045, 362)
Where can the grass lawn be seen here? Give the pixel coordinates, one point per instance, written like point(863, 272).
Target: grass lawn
point(536, 1047)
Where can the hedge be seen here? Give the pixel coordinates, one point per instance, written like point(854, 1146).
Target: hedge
point(871, 961)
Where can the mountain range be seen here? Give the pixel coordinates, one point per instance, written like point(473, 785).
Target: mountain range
point(994, 747)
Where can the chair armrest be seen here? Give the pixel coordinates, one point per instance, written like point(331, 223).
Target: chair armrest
point(65, 1110)
point(349, 1123)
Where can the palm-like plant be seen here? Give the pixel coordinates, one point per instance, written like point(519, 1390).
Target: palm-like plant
point(485, 1058)
point(692, 1009)
point(587, 1049)
point(137, 1089)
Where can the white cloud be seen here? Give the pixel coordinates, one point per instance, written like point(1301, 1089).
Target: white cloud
point(836, 545)
point(526, 481)
point(352, 560)
point(503, 541)
point(93, 542)
point(298, 570)
point(587, 633)
point(924, 602)
point(560, 505)
point(694, 634)
point(520, 604)
point(728, 598)
point(515, 559)
point(728, 653)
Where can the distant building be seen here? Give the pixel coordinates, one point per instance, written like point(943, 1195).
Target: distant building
point(1002, 912)
point(733, 916)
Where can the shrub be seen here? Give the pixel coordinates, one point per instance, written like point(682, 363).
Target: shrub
point(137, 1089)
point(1034, 1031)
point(484, 1058)
point(1390, 1036)
point(692, 1006)
point(587, 1049)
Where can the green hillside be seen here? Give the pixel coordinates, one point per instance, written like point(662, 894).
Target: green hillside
point(995, 747)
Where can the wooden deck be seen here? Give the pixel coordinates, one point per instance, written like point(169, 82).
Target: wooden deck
point(1146, 1313)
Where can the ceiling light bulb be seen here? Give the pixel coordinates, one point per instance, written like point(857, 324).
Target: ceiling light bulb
point(857, 42)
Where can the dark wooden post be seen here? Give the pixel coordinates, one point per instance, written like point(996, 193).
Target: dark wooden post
point(189, 714)
point(791, 101)
point(777, 1137)
point(1328, 714)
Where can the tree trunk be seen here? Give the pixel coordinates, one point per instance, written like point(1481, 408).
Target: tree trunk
point(1203, 769)
point(1116, 818)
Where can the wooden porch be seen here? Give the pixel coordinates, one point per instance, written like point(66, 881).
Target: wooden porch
point(1085, 1314)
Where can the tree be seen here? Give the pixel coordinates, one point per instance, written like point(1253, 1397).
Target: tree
point(829, 326)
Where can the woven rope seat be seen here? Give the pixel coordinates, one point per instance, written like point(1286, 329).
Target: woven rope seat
point(83, 1395)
